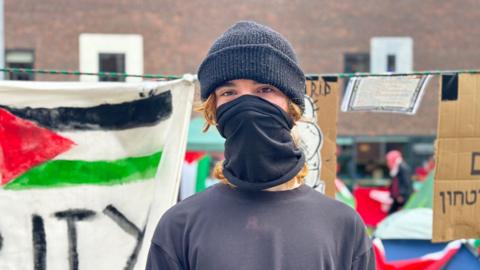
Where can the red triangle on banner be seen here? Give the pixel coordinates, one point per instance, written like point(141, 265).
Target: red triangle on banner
point(23, 145)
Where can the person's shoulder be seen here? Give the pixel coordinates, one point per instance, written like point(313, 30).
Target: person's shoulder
point(195, 203)
point(349, 226)
point(327, 202)
point(206, 195)
point(174, 220)
point(334, 208)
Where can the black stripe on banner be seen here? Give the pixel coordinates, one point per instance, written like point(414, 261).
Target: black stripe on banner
point(138, 113)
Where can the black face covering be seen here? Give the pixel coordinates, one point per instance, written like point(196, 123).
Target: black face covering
point(259, 149)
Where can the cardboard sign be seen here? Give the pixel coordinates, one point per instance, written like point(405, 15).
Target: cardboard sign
point(324, 93)
point(87, 169)
point(457, 179)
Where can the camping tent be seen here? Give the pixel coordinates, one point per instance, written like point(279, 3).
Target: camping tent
point(406, 224)
point(210, 141)
point(407, 234)
point(398, 249)
point(423, 198)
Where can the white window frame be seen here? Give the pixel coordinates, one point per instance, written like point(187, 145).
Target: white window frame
point(92, 44)
point(401, 47)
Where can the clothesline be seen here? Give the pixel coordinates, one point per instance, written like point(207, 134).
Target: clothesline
point(173, 77)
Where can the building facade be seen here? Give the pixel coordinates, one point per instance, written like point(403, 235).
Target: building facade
point(171, 37)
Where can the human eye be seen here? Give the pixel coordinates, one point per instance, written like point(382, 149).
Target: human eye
point(227, 92)
point(266, 89)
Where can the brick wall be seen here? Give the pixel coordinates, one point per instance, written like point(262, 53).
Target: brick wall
point(177, 35)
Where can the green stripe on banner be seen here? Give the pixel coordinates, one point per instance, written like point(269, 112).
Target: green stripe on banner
point(60, 173)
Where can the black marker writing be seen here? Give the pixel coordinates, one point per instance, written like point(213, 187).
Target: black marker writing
point(1, 242)
point(129, 228)
point(71, 216)
point(458, 197)
point(39, 243)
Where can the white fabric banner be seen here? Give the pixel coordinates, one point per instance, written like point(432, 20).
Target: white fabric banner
point(87, 169)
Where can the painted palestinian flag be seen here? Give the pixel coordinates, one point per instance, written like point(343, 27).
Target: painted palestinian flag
point(87, 170)
point(97, 135)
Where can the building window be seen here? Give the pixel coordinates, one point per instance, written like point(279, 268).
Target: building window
point(19, 59)
point(391, 54)
point(368, 160)
point(356, 62)
point(391, 66)
point(111, 62)
point(111, 53)
point(345, 163)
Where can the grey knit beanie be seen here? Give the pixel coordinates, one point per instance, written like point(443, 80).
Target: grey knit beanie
point(249, 50)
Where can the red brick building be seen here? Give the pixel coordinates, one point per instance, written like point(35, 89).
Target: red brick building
point(171, 37)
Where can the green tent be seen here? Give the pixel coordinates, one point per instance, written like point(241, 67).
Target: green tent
point(423, 198)
point(211, 141)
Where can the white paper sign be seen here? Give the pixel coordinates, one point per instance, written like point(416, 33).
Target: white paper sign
point(397, 94)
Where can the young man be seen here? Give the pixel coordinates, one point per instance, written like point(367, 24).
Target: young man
point(261, 216)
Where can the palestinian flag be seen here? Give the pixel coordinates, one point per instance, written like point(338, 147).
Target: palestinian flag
point(195, 172)
point(87, 170)
point(49, 139)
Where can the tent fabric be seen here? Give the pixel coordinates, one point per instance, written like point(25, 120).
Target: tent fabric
point(210, 141)
point(423, 198)
point(397, 249)
point(435, 260)
point(414, 224)
point(407, 224)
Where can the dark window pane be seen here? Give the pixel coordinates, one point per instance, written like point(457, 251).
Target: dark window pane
point(367, 152)
point(391, 63)
point(356, 62)
point(394, 146)
point(20, 76)
point(19, 58)
point(368, 156)
point(345, 162)
point(112, 62)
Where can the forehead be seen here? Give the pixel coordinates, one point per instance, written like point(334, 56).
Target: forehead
point(239, 82)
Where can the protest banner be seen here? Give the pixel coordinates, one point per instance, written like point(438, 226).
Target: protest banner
point(87, 169)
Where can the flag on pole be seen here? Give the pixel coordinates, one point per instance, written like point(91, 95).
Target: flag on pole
point(195, 172)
